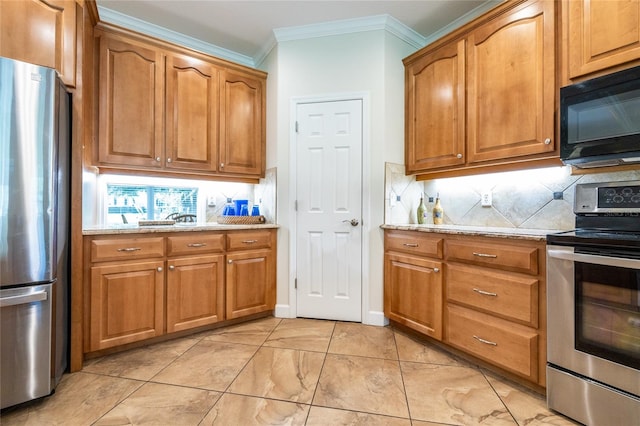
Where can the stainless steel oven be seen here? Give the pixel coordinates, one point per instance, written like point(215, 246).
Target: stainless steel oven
point(593, 308)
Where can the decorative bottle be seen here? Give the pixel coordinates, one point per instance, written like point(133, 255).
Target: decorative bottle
point(438, 212)
point(421, 211)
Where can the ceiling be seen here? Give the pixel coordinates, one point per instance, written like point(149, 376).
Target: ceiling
point(247, 27)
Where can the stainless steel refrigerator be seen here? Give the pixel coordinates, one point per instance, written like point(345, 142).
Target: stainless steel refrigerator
point(34, 231)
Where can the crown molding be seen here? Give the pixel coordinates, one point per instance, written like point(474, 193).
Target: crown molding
point(347, 26)
point(135, 24)
point(464, 19)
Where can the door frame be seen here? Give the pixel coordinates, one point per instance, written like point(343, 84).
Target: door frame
point(364, 97)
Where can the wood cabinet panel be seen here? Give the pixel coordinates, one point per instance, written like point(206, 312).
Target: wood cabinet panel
point(511, 85)
point(103, 250)
point(417, 243)
point(127, 303)
point(250, 283)
point(502, 256)
point(242, 127)
point(195, 244)
point(195, 292)
point(435, 106)
point(507, 295)
point(42, 33)
point(413, 293)
point(494, 340)
point(249, 240)
point(601, 34)
point(192, 114)
point(131, 98)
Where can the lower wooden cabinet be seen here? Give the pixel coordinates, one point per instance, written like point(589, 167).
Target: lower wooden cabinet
point(195, 292)
point(250, 287)
point(413, 293)
point(484, 297)
point(127, 303)
point(494, 340)
point(140, 286)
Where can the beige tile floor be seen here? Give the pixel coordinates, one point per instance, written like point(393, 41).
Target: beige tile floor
point(286, 372)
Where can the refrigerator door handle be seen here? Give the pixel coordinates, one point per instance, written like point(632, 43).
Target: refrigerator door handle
point(38, 296)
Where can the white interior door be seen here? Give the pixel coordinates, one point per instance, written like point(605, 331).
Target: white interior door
point(329, 210)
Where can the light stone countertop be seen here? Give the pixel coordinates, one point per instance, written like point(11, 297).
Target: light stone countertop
point(482, 231)
point(195, 227)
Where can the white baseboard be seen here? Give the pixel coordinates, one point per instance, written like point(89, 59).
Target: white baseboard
point(376, 318)
point(283, 311)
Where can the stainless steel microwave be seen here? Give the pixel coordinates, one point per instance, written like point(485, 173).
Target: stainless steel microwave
point(600, 120)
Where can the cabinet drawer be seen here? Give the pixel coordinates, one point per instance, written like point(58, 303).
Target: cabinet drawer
point(499, 342)
point(248, 240)
point(195, 243)
point(507, 295)
point(126, 249)
point(502, 256)
point(418, 243)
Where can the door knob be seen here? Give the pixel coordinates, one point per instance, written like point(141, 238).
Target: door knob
point(353, 222)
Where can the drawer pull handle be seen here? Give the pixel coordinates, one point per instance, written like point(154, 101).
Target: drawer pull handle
point(492, 256)
point(250, 241)
point(485, 293)
point(129, 249)
point(196, 245)
point(412, 245)
point(486, 342)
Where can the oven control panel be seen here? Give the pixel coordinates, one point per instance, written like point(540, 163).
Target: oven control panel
point(608, 197)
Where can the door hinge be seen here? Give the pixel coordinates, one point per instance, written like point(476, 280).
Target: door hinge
point(295, 283)
point(296, 127)
point(295, 205)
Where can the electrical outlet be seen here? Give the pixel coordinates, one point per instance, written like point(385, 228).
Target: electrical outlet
point(486, 199)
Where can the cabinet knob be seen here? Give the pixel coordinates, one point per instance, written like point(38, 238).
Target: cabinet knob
point(436, 270)
point(230, 261)
point(158, 159)
point(159, 268)
point(459, 156)
point(222, 165)
point(168, 160)
point(547, 141)
point(171, 267)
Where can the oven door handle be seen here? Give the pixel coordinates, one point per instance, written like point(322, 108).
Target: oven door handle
point(569, 254)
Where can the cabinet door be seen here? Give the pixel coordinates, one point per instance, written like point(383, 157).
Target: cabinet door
point(127, 303)
point(131, 96)
point(192, 114)
point(42, 33)
point(511, 85)
point(242, 126)
point(413, 293)
point(602, 34)
point(250, 283)
point(195, 292)
point(435, 109)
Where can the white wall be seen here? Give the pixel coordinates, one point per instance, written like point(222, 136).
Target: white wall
point(366, 62)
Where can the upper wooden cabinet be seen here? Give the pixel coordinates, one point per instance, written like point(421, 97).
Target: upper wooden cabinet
point(130, 96)
point(484, 97)
point(511, 85)
point(242, 124)
point(435, 97)
point(601, 34)
point(171, 111)
point(192, 114)
point(42, 33)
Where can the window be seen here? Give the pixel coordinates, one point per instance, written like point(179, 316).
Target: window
point(129, 203)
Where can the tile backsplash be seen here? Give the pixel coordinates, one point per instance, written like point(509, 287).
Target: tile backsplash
point(530, 199)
